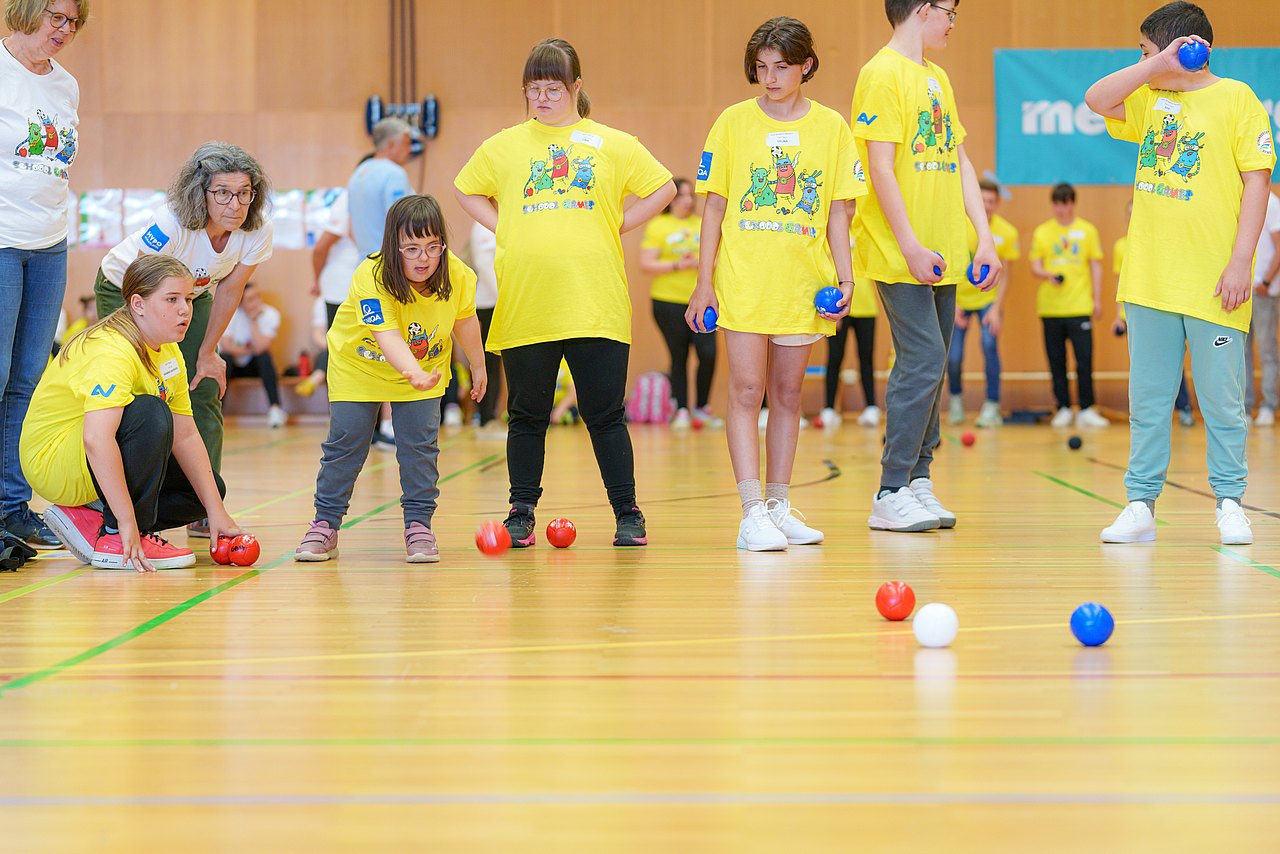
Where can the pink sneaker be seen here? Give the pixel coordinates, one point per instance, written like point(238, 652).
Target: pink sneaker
point(319, 543)
point(77, 527)
point(420, 544)
point(108, 553)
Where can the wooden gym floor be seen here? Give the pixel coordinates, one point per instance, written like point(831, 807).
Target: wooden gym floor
point(685, 696)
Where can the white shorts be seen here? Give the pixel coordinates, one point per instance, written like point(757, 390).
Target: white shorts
point(803, 339)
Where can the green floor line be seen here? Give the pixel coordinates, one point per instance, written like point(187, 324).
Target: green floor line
point(40, 585)
point(1246, 560)
point(1092, 495)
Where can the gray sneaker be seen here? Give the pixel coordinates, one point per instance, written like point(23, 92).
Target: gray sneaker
point(420, 544)
point(319, 543)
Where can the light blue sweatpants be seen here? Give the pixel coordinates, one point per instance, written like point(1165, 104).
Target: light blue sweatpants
point(1157, 342)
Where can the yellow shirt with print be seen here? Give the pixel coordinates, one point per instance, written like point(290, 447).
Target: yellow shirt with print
point(559, 258)
point(358, 370)
point(674, 238)
point(1067, 251)
point(1005, 237)
point(1192, 149)
point(101, 371)
point(913, 106)
point(780, 179)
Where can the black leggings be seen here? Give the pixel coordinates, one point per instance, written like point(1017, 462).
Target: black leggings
point(162, 496)
point(492, 366)
point(679, 337)
point(864, 330)
point(1079, 331)
point(599, 368)
point(261, 365)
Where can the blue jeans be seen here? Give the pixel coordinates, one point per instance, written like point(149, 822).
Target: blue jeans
point(990, 355)
point(32, 282)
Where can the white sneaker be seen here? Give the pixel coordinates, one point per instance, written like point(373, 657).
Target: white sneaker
point(902, 512)
point(830, 419)
point(1135, 524)
point(277, 417)
point(681, 421)
point(796, 531)
point(922, 487)
point(708, 420)
point(1062, 418)
point(1233, 525)
point(757, 533)
point(763, 420)
point(1091, 417)
point(955, 412)
point(990, 415)
point(870, 416)
point(387, 428)
point(1266, 417)
point(452, 415)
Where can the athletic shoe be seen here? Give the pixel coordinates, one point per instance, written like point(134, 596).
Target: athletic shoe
point(922, 488)
point(1266, 417)
point(630, 530)
point(305, 388)
point(384, 441)
point(955, 412)
point(1185, 418)
point(870, 416)
point(319, 543)
point(27, 526)
point(519, 524)
point(708, 420)
point(199, 529)
point(1091, 417)
point(452, 415)
point(1135, 524)
point(494, 431)
point(758, 533)
point(277, 417)
point(1233, 525)
point(1062, 418)
point(420, 544)
point(108, 553)
point(901, 512)
point(681, 419)
point(795, 530)
point(77, 527)
point(830, 419)
point(990, 415)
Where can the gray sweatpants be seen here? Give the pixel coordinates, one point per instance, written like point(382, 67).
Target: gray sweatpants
point(351, 426)
point(1262, 329)
point(921, 318)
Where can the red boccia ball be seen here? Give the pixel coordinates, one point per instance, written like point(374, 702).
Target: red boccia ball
point(895, 600)
point(967, 439)
point(492, 539)
point(220, 550)
point(245, 550)
point(561, 533)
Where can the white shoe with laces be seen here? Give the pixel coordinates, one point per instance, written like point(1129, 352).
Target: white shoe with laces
point(795, 530)
point(1091, 417)
point(830, 419)
point(901, 512)
point(1135, 524)
point(1233, 526)
point(757, 533)
point(277, 417)
point(1062, 418)
point(1266, 417)
point(922, 488)
point(990, 415)
point(870, 416)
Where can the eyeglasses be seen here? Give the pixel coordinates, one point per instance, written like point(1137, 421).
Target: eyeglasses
point(59, 20)
point(224, 197)
point(413, 253)
point(553, 93)
point(950, 13)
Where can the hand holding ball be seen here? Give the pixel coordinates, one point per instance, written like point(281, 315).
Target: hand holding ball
point(1193, 55)
point(709, 318)
point(827, 300)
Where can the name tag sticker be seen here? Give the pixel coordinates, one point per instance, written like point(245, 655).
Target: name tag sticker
point(1076, 234)
point(782, 139)
point(169, 369)
point(1164, 105)
point(594, 140)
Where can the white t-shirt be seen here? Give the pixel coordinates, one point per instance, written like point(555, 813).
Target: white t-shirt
point(240, 329)
point(1266, 248)
point(340, 266)
point(484, 244)
point(164, 236)
point(39, 123)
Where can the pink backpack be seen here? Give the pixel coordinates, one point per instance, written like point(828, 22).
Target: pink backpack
point(650, 401)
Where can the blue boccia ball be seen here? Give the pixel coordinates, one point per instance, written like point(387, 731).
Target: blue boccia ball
point(828, 300)
point(986, 270)
point(709, 318)
point(937, 271)
point(1092, 624)
point(1193, 55)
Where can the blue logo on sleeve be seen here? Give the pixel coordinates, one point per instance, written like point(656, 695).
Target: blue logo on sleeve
point(704, 166)
point(371, 312)
point(154, 239)
point(99, 391)
point(864, 119)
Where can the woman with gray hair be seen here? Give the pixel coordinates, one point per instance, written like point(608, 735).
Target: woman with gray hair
point(39, 119)
point(215, 221)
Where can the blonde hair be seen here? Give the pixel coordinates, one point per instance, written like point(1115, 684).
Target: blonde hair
point(23, 16)
point(143, 278)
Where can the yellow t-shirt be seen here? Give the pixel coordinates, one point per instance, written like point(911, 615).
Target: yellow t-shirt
point(358, 371)
point(1067, 251)
point(898, 101)
point(102, 371)
point(1117, 264)
point(1193, 146)
point(674, 239)
point(559, 256)
point(780, 179)
point(1005, 238)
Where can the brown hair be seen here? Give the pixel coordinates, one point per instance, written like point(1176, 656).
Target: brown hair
point(143, 278)
point(555, 59)
point(412, 216)
point(787, 36)
point(23, 16)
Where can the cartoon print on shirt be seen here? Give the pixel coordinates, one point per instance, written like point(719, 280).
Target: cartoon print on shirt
point(1167, 147)
point(584, 177)
point(559, 161)
point(369, 349)
point(420, 343)
point(1188, 164)
point(786, 169)
point(202, 278)
point(925, 138)
point(45, 139)
point(809, 200)
point(1147, 152)
point(539, 180)
point(761, 193)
